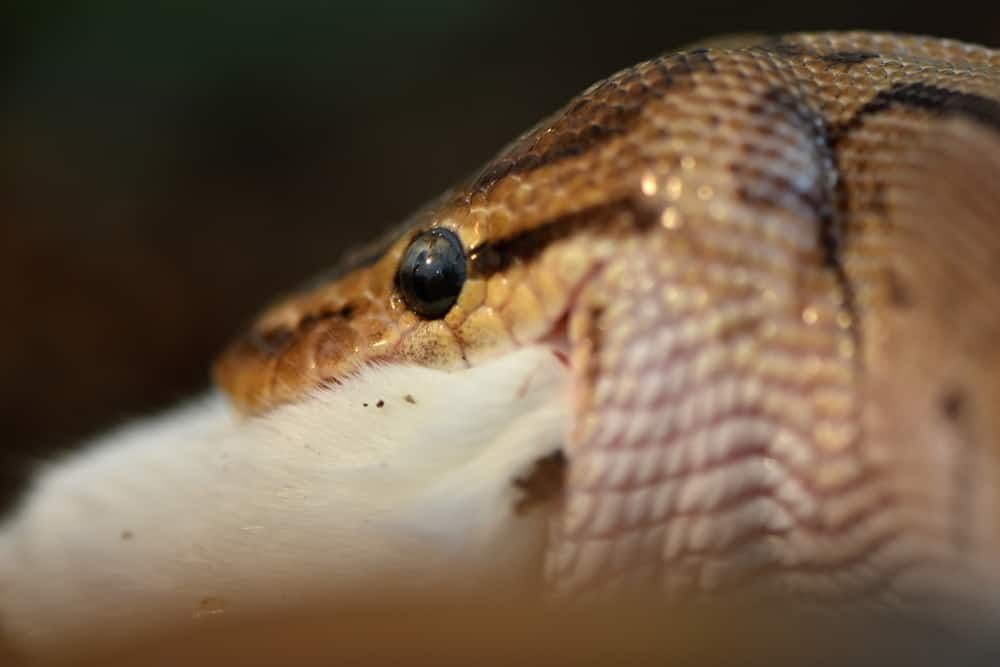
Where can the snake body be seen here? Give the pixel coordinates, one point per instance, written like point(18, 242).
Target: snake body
point(772, 271)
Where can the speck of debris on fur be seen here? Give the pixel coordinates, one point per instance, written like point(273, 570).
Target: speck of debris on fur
point(409, 399)
point(365, 404)
point(380, 403)
point(126, 534)
point(210, 605)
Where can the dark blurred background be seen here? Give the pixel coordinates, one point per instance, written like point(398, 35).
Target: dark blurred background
point(166, 168)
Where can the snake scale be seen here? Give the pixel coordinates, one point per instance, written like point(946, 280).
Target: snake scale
point(772, 273)
point(769, 273)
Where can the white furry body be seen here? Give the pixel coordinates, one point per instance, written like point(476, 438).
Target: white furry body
point(196, 512)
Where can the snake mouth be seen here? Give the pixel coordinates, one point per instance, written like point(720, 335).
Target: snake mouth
point(558, 337)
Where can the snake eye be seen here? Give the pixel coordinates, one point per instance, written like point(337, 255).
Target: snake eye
point(432, 273)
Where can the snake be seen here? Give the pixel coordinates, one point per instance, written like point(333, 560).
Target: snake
point(771, 270)
point(767, 270)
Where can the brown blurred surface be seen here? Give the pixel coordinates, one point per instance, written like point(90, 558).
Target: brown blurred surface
point(164, 172)
point(625, 634)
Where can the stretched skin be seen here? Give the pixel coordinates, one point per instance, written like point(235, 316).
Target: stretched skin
point(773, 271)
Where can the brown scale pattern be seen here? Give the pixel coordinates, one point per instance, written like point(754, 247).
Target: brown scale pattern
point(749, 252)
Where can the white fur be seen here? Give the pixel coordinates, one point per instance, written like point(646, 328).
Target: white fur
point(196, 512)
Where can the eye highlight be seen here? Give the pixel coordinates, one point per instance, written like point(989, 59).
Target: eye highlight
point(432, 273)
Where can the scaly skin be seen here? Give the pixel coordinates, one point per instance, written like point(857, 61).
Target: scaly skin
point(773, 270)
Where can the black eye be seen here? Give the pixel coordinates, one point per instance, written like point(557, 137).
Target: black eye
point(432, 273)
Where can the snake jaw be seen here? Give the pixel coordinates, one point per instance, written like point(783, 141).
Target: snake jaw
point(721, 395)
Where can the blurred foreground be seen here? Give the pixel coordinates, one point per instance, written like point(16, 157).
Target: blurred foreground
point(620, 635)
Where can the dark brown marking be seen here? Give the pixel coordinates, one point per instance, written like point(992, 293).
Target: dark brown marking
point(917, 96)
point(364, 405)
point(954, 407)
point(379, 403)
point(880, 199)
point(739, 329)
point(494, 256)
point(595, 337)
point(789, 50)
point(126, 534)
point(409, 399)
point(309, 320)
point(821, 201)
point(487, 259)
point(783, 48)
point(899, 293)
point(592, 119)
point(493, 173)
point(924, 97)
point(828, 204)
point(545, 482)
point(848, 58)
point(953, 404)
point(271, 341)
